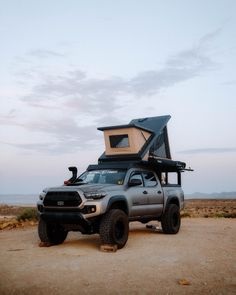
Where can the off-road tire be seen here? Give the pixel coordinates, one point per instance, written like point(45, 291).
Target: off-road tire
point(171, 220)
point(50, 233)
point(114, 228)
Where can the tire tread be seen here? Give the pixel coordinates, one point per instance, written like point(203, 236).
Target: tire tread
point(46, 234)
point(106, 228)
point(166, 219)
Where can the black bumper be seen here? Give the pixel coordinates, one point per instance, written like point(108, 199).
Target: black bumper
point(66, 218)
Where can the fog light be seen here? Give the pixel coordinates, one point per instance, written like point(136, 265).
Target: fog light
point(89, 209)
point(40, 208)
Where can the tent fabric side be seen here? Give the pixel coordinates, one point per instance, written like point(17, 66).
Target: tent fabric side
point(160, 146)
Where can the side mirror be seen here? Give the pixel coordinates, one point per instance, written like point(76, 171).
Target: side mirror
point(135, 182)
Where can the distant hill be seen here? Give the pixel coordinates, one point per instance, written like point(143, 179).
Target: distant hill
point(223, 195)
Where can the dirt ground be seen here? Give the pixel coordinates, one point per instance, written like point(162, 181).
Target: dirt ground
point(203, 254)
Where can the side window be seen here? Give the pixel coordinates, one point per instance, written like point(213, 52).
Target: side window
point(119, 141)
point(137, 175)
point(170, 179)
point(149, 179)
point(173, 178)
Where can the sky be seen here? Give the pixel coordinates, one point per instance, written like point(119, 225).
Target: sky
point(70, 66)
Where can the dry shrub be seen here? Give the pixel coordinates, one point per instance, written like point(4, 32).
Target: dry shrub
point(27, 214)
point(226, 215)
point(185, 214)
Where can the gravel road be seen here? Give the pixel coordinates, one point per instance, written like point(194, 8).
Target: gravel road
point(202, 255)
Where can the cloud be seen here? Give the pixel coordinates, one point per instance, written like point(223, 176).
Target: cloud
point(38, 147)
point(209, 37)
point(42, 53)
point(66, 98)
point(67, 136)
point(64, 129)
point(43, 106)
point(184, 65)
point(96, 94)
point(53, 148)
point(209, 151)
point(11, 114)
point(74, 90)
point(230, 83)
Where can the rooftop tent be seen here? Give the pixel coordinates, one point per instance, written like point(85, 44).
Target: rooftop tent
point(137, 140)
point(159, 145)
point(125, 141)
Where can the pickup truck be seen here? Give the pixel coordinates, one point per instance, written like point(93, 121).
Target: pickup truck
point(105, 198)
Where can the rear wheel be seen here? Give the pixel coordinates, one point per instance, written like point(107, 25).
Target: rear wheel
point(114, 228)
point(53, 234)
point(171, 221)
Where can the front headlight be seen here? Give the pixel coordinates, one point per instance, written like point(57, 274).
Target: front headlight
point(42, 195)
point(95, 195)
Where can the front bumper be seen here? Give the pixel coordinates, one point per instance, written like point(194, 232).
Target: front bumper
point(67, 218)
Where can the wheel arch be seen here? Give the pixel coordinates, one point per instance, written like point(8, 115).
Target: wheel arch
point(118, 202)
point(173, 200)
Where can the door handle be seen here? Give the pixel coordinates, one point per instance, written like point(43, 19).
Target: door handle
point(159, 192)
point(145, 192)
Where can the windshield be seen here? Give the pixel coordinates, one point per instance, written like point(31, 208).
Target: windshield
point(103, 177)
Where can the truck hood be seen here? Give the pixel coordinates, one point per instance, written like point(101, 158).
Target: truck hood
point(85, 188)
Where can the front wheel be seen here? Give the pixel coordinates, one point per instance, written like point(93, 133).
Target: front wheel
point(114, 228)
point(53, 234)
point(171, 221)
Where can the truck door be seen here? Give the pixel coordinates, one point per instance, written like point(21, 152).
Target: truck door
point(137, 196)
point(154, 193)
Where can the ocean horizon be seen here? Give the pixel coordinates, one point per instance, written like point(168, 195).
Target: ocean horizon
point(19, 199)
point(31, 199)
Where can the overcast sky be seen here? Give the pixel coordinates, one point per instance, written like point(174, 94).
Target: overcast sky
point(68, 67)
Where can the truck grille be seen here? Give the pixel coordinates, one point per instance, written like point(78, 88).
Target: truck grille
point(62, 199)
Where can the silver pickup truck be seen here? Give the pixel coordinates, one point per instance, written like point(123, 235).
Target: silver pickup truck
point(105, 198)
point(135, 180)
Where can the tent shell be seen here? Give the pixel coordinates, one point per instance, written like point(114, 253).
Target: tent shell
point(137, 140)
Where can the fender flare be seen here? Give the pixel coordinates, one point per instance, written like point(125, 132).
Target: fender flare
point(170, 200)
point(118, 198)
